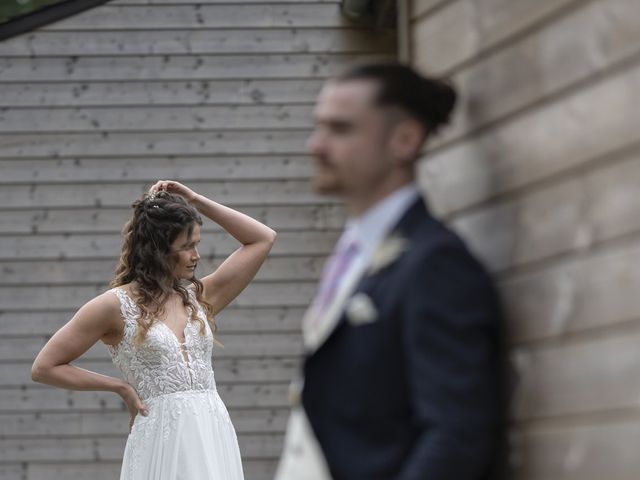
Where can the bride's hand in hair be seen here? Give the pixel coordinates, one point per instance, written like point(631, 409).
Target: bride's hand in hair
point(173, 187)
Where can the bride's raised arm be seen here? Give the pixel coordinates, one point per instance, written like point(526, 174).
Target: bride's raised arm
point(235, 273)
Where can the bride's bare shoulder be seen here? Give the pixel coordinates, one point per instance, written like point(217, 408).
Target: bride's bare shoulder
point(106, 310)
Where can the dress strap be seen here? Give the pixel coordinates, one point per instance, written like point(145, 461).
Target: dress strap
point(128, 308)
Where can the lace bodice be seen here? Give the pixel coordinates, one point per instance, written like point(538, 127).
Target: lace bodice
point(158, 366)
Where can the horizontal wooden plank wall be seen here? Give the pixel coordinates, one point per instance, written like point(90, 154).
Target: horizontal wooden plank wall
point(540, 171)
point(215, 93)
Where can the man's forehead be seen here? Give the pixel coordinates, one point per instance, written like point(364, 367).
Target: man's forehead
point(346, 95)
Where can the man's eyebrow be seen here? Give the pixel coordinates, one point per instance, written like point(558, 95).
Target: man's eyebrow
point(334, 121)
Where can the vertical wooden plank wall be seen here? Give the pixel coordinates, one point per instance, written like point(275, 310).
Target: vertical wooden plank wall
point(217, 94)
point(541, 172)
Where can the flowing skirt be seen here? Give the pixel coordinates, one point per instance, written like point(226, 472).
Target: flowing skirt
point(186, 436)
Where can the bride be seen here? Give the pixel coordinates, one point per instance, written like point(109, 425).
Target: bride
point(158, 324)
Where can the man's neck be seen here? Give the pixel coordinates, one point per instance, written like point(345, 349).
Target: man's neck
point(357, 205)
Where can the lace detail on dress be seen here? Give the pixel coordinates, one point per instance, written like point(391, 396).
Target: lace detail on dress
point(158, 366)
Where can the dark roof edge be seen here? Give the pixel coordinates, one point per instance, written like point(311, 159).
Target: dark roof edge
point(47, 15)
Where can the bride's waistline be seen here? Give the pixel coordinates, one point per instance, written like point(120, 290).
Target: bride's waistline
point(180, 393)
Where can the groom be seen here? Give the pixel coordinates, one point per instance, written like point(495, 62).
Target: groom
point(401, 377)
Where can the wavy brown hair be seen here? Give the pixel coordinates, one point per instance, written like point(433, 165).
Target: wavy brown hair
point(147, 259)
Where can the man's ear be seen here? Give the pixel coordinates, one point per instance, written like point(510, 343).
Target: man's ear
point(406, 141)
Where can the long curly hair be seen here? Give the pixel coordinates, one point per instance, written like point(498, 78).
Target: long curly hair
point(147, 259)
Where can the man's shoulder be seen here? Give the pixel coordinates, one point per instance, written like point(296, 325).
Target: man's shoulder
point(431, 242)
point(428, 234)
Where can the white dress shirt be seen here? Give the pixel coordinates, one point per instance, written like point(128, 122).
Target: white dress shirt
point(372, 227)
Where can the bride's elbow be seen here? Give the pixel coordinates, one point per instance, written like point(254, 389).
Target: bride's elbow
point(37, 372)
point(272, 236)
point(268, 237)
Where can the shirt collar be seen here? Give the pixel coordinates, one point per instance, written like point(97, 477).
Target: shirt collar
point(370, 228)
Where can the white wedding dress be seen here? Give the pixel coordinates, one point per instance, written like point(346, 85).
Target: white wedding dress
point(188, 434)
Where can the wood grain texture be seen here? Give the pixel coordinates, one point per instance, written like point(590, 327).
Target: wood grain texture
point(539, 172)
point(151, 92)
point(529, 149)
point(182, 42)
point(464, 29)
point(597, 37)
point(173, 67)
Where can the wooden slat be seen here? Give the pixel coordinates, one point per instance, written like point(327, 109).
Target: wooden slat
point(132, 145)
point(43, 425)
point(49, 399)
point(13, 472)
point(529, 149)
point(31, 321)
point(228, 370)
point(159, 42)
point(111, 448)
point(575, 48)
point(590, 207)
point(99, 272)
point(602, 449)
point(150, 92)
point(246, 345)
point(464, 29)
point(148, 169)
point(61, 297)
point(574, 295)
point(254, 469)
point(73, 471)
point(195, 67)
point(60, 220)
point(559, 379)
point(109, 246)
point(193, 16)
point(121, 194)
point(186, 119)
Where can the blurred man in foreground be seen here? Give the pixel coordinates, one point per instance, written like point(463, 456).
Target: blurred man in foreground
point(401, 377)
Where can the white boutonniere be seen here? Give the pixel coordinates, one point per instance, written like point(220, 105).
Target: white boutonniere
point(387, 253)
point(360, 310)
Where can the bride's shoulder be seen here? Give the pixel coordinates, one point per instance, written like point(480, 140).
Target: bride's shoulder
point(102, 312)
point(107, 302)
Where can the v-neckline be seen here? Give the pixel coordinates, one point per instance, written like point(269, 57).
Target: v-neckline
point(173, 334)
point(184, 330)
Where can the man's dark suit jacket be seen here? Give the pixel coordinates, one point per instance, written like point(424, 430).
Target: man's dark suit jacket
point(417, 393)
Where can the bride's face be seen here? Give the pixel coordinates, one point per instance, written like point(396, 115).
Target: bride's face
point(185, 249)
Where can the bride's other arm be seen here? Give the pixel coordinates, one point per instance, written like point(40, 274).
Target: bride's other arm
point(235, 273)
point(97, 319)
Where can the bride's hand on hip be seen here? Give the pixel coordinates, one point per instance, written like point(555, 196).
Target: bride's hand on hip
point(173, 187)
point(134, 404)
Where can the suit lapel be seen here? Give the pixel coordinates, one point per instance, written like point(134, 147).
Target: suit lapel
point(326, 321)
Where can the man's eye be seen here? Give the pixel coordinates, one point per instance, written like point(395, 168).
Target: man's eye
point(341, 128)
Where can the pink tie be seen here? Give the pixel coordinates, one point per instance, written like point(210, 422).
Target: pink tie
point(333, 273)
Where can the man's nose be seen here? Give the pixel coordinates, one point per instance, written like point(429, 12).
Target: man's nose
point(315, 143)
